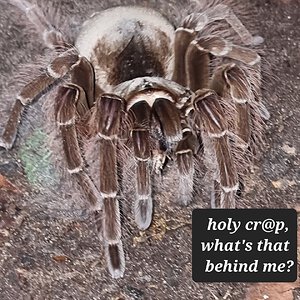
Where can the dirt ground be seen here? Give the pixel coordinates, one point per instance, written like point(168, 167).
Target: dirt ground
point(48, 246)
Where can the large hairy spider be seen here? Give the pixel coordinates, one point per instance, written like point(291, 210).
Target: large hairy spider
point(133, 82)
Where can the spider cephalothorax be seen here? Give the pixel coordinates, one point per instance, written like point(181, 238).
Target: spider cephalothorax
point(131, 78)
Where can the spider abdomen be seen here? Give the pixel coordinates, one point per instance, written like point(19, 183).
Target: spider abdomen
point(124, 43)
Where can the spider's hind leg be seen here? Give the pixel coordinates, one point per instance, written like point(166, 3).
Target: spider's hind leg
point(192, 26)
point(230, 81)
point(52, 37)
point(212, 120)
point(220, 12)
point(241, 86)
point(184, 152)
point(198, 60)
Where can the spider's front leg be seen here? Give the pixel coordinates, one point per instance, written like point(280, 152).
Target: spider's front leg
point(155, 104)
point(106, 122)
point(67, 99)
point(161, 116)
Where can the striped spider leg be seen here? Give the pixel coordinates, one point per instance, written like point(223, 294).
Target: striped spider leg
point(73, 101)
point(106, 124)
point(208, 110)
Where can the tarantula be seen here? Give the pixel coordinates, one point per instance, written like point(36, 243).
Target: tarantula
point(131, 78)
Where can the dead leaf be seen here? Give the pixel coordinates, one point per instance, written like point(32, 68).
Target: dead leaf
point(4, 232)
point(272, 291)
point(289, 150)
point(7, 185)
point(283, 183)
point(277, 184)
point(60, 258)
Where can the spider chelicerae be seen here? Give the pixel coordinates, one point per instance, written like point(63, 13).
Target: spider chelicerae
point(133, 80)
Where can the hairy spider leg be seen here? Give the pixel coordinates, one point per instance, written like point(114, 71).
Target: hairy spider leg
point(221, 12)
point(193, 71)
point(52, 37)
point(197, 58)
point(140, 135)
point(66, 102)
point(106, 119)
point(230, 81)
point(56, 70)
point(83, 76)
point(210, 115)
point(185, 151)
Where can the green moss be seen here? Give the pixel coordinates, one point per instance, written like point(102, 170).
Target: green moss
point(35, 157)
